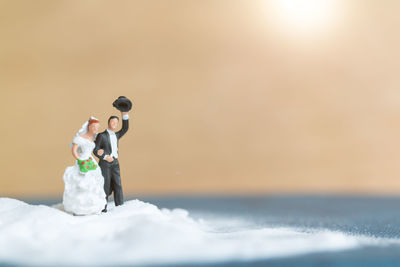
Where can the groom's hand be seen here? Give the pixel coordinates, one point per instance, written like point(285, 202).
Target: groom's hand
point(100, 152)
point(110, 159)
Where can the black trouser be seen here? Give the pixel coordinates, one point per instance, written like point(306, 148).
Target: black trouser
point(112, 180)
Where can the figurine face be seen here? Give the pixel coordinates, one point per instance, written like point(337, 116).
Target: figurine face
point(93, 128)
point(112, 125)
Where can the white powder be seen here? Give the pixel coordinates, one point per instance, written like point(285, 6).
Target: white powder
point(140, 233)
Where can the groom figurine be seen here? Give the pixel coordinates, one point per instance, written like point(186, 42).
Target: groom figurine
point(106, 150)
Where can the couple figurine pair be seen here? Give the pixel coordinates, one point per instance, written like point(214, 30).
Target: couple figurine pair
point(88, 184)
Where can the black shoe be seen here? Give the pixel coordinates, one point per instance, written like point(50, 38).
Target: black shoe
point(105, 209)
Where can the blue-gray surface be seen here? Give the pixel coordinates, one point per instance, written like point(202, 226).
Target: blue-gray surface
point(371, 216)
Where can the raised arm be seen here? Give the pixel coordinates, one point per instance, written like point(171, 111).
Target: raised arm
point(125, 125)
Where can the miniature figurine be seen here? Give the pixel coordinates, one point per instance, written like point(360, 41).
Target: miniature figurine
point(107, 151)
point(84, 192)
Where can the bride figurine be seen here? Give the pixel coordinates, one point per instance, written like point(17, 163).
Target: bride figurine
point(84, 184)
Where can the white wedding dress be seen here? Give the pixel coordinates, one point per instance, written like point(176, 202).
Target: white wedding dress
point(84, 193)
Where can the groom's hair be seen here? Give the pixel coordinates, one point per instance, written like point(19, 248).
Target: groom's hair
point(112, 117)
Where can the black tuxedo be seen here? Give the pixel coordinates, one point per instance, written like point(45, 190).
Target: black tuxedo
point(110, 170)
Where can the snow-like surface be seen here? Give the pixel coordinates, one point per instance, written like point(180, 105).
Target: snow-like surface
point(141, 233)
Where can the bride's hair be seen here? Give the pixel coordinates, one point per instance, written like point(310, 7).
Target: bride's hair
point(91, 121)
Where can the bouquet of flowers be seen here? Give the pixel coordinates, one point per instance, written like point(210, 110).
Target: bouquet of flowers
point(86, 165)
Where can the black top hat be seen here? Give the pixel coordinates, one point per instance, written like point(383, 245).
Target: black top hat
point(122, 104)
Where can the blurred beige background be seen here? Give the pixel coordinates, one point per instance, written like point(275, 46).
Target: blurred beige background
point(229, 96)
